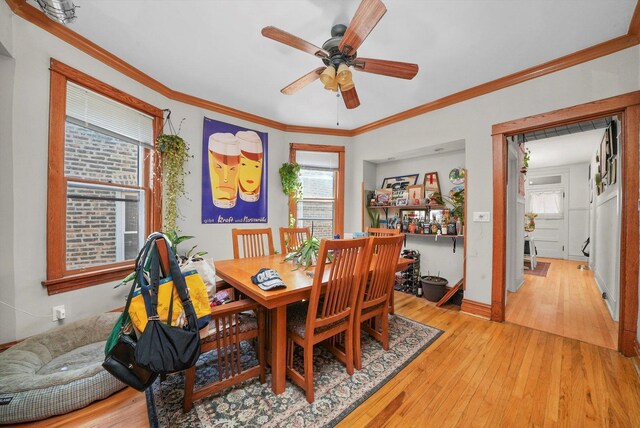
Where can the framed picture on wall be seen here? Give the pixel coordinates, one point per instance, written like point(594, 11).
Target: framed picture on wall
point(416, 193)
point(398, 185)
point(431, 184)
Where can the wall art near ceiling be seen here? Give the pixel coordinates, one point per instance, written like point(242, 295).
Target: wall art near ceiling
point(234, 174)
point(431, 184)
point(457, 175)
point(398, 185)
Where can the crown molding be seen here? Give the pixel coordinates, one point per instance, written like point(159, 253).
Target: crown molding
point(36, 17)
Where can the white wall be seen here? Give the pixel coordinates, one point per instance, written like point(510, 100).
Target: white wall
point(7, 294)
point(27, 155)
point(605, 243)
point(436, 257)
point(472, 120)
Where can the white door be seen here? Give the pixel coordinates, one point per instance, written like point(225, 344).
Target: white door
point(546, 195)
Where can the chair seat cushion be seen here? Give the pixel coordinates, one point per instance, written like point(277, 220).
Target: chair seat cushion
point(297, 319)
point(56, 372)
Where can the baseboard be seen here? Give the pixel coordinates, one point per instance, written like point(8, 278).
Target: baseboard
point(5, 346)
point(476, 308)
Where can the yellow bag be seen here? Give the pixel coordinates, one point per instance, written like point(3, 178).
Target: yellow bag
point(197, 292)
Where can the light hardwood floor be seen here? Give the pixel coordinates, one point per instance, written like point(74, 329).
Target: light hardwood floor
point(478, 373)
point(566, 302)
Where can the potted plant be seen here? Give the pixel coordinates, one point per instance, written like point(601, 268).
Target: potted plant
point(306, 255)
point(173, 152)
point(525, 161)
point(530, 225)
point(290, 178)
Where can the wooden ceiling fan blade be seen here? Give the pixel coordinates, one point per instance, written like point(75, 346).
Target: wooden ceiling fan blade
point(366, 17)
point(402, 70)
point(302, 82)
point(350, 98)
point(295, 42)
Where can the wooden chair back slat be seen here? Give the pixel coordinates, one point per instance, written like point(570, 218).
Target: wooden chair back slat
point(375, 231)
point(347, 272)
point(252, 243)
point(381, 281)
point(292, 237)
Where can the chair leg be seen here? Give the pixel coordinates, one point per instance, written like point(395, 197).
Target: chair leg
point(392, 308)
point(308, 371)
point(189, 380)
point(357, 346)
point(385, 330)
point(348, 349)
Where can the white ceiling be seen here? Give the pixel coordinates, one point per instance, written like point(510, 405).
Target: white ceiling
point(564, 150)
point(214, 49)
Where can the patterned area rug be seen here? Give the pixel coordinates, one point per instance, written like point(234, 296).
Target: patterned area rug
point(253, 404)
point(542, 268)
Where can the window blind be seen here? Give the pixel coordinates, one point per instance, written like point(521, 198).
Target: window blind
point(101, 114)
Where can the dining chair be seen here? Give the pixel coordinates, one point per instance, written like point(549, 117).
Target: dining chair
point(373, 231)
point(372, 309)
point(229, 326)
point(326, 317)
point(376, 231)
point(292, 237)
point(252, 242)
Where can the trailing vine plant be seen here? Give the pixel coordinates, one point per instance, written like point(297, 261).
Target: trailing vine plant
point(173, 152)
point(290, 177)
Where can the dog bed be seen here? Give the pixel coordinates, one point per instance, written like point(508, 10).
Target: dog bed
point(56, 372)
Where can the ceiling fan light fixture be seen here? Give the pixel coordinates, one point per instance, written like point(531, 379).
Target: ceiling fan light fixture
point(328, 76)
point(344, 74)
point(332, 85)
point(347, 86)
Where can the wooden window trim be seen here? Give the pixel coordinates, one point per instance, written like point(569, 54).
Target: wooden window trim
point(339, 182)
point(59, 278)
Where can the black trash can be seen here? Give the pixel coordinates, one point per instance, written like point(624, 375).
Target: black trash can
point(434, 287)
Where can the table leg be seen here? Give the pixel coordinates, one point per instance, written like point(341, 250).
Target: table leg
point(278, 349)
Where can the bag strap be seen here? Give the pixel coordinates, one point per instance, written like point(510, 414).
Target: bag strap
point(179, 283)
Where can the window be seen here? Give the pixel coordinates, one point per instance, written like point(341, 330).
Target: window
point(546, 203)
point(322, 174)
point(316, 209)
point(101, 202)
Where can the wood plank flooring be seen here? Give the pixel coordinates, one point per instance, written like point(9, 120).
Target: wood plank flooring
point(566, 302)
point(478, 373)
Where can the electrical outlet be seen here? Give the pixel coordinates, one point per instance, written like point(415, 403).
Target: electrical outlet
point(481, 216)
point(58, 313)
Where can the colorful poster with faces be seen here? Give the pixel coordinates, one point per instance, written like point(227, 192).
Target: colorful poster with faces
point(234, 174)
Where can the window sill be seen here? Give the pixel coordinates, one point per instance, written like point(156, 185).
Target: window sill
point(86, 279)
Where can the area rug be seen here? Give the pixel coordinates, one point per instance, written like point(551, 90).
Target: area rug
point(253, 404)
point(541, 269)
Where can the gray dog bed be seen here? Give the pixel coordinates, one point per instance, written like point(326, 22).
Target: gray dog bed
point(56, 372)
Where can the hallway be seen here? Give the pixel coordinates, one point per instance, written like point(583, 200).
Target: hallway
point(566, 302)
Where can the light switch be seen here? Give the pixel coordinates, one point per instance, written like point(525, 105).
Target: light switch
point(481, 216)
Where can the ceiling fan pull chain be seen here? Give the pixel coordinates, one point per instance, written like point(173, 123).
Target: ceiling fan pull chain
point(337, 109)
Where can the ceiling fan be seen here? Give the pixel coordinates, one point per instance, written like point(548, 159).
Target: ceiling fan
point(339, 53)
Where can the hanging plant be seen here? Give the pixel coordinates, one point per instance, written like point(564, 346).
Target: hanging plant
point(173, 152)
point(290, 177)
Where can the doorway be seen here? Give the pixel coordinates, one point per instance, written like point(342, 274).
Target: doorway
point(627, 107)
point(569, 213)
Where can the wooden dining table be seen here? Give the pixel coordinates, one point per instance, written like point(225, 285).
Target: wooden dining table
point(238, 272)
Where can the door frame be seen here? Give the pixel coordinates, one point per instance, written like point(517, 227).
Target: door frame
point(627, 107)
